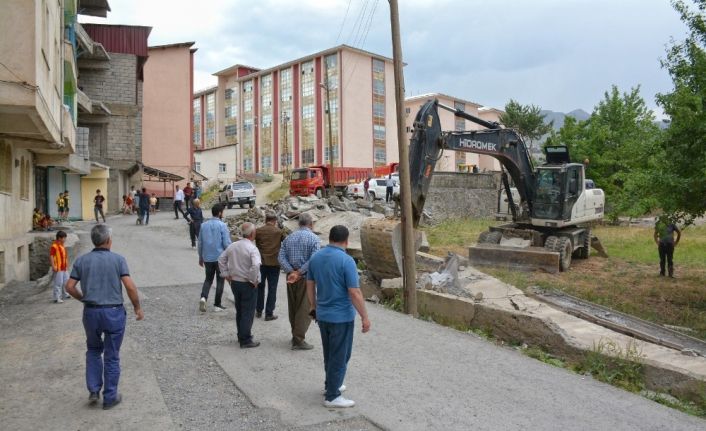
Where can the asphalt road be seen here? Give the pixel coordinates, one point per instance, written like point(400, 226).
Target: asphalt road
point(183, 369)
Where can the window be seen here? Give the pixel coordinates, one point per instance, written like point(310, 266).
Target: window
point(459, 124)
point(460, 106)
point(378, 109)
point(380, 156)
point(196, 139)
point(24, 178)
point(231, 130)
point(378, 132)
point(5, 167)
point(197, 166)
point(210, 120)
point(222, 168)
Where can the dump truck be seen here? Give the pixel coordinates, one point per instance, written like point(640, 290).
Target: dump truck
point(316, 180)
point(550, 222)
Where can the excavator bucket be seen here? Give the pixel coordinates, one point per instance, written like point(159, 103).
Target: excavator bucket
point(596, 245)
point(514, 258)
point(381, 244)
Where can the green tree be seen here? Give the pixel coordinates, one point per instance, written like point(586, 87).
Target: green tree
point(681, 173)
point(526, 119)
point(618, 144)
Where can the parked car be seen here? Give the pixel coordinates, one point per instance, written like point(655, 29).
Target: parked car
point(237, 193)
point(377, 188)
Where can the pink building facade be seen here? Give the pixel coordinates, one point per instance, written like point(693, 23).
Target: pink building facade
point(167, 109)
point(277, 117)
point(455, 161)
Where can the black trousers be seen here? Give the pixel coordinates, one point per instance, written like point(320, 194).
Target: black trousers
point(666, 253)
point(194, 229)
point(269, 274)
point(211, 272)
point(177, 207)
point(388, 194)
point(245, 295)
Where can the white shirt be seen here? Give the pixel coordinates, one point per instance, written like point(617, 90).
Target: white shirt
point(241, 262)
point(179, 195)
point(390, 182)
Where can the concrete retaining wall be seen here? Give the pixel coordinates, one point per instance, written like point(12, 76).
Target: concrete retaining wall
point(39, 252)
point(459, 195)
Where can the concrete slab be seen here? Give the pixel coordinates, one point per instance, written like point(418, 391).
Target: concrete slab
point(408, 374)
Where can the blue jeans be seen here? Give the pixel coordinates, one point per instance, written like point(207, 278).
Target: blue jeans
point(105, 328)
point(245, 296)
point(337, 342)
point(145, 215)
point(269, 274)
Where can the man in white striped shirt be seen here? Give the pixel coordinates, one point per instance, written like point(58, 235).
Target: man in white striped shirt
point(240, 265)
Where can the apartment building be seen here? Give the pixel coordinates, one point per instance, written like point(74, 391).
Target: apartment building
point(277, 117)
point(455, 161)
point(38, 114)
point(112, 78)
point(166, 113)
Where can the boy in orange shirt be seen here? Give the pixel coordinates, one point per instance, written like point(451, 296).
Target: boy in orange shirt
point(59, 266)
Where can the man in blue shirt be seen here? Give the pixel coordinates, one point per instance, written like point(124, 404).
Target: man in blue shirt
point(333, 290)
point(214, 237)
point(102, 274)
point(294, 257)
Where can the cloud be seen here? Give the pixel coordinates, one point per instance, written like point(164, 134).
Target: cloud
point(559, 54)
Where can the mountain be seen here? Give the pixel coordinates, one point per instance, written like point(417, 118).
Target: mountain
point(558, 117)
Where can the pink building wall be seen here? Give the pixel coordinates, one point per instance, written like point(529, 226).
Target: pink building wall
point(167, 109)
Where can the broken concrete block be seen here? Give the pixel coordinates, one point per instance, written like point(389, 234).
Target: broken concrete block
point(390, 286)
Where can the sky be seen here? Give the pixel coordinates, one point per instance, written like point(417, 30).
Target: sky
point(560, 55)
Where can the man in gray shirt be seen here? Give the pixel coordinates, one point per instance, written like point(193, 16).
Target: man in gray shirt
point(102, 274)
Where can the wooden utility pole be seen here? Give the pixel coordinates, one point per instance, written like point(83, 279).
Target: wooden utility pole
point(409, 273)
point(332, 177)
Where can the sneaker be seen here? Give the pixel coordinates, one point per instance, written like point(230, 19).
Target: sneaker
point(118, 400)
point(250, 345)
point(93, 397)
point(341, 389)
point(302, 346)
point(59, 301)
point(202, 305)
point(218, 308)
point(339, 402)
point(272, 317)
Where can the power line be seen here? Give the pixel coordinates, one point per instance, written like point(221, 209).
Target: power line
point(355, 31)
point(343, 24)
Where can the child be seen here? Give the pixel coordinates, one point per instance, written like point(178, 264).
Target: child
point(59, 265)
point(37, 219)
point(128, 204)
point(153, 203)
point(60, 204)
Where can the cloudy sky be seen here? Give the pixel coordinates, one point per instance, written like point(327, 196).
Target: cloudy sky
point(558, 54)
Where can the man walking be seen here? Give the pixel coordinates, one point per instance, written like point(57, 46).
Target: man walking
point(664, 238)
point(194, 216)
point(101, 273)
point(67, 198)
point(59, 265)
point(333, 290)
point(294, 257)
point(188, 194)
point(144, 206)
point(389, 188)
point(214, 237)
point(178, 199)
point(268, 240)
point(240, 265)
point(366, 187)
point(98, 205)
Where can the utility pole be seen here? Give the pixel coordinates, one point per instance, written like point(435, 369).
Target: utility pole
point(332, 177)
point(409, 274)
point(285, 150)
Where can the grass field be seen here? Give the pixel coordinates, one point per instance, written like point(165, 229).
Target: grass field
point(627, 281)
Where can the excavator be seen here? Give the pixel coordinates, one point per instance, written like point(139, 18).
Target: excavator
point(550, 223)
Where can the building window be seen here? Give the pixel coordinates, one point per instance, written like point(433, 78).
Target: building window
point(210, 120)
point(231, 115)
point(5, 167)
point(286, 132)
point(24, 178)
point(308, 122)
point(222, 168)
point(266, 150)
point(248, 135)
point(196, 139)
point(379, 117)
point(197, 166)
point(231, 130)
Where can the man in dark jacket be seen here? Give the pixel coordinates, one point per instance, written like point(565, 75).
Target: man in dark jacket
point(194, 216)
point(144, 206)
point(268, 240)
